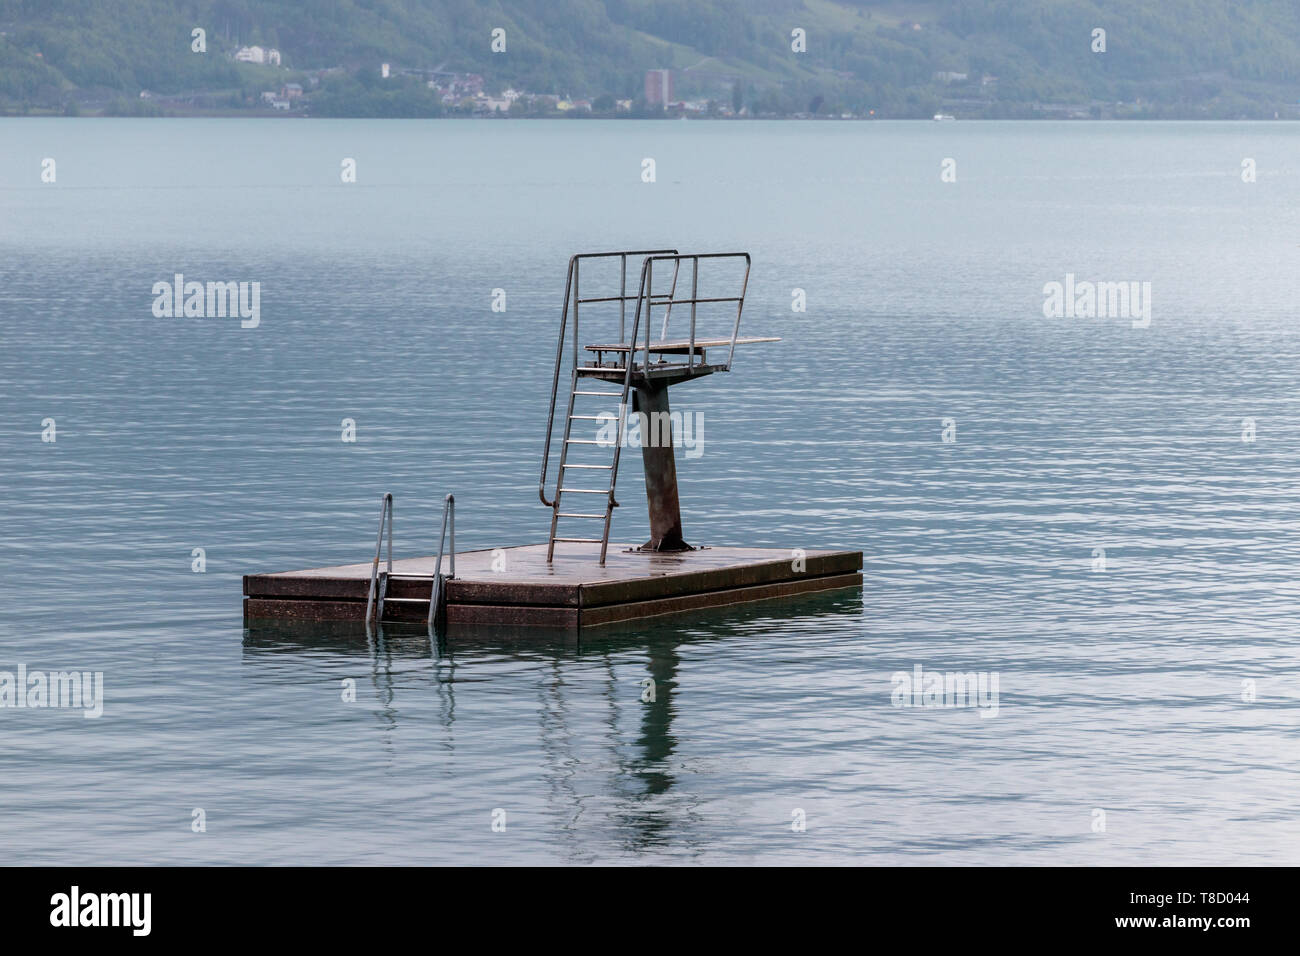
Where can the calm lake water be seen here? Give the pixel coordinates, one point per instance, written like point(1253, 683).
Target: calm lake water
point(1125, 690)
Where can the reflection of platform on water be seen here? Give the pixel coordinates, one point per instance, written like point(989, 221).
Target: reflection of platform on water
point(573, 591)
point(612, 752)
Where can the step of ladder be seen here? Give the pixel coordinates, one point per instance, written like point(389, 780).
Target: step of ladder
point(385, 600)
point(392, 602)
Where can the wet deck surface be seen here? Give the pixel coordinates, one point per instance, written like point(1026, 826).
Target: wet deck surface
point(517, 586)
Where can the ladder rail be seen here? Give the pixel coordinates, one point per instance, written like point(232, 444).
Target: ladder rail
point(572, 295)
point(740, 305)
point(377, 585)
point(555, 382)
point(646, 276)
point(559, 475)
point(439, 594)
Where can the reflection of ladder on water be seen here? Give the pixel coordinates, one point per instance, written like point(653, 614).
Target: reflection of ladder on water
point(615, 365)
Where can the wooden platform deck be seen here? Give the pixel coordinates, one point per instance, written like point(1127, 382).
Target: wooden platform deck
point(574, 592)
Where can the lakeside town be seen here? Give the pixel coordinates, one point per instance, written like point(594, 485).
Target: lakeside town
point(470, 94)
point(393, 90)
point(389, 90)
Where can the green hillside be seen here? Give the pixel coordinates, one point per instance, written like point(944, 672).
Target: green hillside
point(968, 57)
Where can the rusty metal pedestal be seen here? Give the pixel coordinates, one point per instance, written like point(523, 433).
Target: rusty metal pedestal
point(660, 472)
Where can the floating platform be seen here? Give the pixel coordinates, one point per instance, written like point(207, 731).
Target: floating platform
point(572, 592)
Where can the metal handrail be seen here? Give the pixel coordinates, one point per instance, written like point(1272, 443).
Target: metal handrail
point(571, 291)
point(695, 299)
point(436, 598)
point(385, 513)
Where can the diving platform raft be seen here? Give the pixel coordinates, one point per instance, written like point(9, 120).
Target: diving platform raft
point(575, 579)
point(572, 592)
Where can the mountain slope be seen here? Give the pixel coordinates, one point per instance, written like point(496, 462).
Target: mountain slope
point(1185, 57)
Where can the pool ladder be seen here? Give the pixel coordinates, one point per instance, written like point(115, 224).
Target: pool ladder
point(379, 579)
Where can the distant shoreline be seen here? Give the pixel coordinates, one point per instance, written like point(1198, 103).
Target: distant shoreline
point(280, 115)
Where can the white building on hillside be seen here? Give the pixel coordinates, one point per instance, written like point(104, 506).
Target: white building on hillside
point(256, 54)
